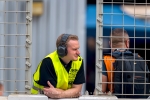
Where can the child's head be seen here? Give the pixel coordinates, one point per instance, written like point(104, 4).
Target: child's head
point(1, 89)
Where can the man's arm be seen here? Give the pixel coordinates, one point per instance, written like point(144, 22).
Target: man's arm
point(59, 93)
point(104, 78)
point(72, 92)
point(104, 84)
point(47, 73)
point(69, 93)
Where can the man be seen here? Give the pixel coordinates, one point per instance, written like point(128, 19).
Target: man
point(1, 89)
point(61, 73)
point(130, 74)
point(119, 40)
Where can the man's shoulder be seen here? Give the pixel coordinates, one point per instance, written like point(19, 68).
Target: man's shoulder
point(47, 59)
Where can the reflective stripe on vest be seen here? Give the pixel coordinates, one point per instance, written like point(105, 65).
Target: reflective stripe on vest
point(64, 80)
point(109, 60)
point(36, 87)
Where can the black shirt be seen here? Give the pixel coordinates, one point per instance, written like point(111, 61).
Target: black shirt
point(47, 73)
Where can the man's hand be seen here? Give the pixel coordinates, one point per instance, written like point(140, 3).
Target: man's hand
point(51, 91)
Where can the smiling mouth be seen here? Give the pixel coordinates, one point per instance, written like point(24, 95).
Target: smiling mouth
point(76, 56)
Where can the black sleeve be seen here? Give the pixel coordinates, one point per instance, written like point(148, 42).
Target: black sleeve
point(80, 77)
point(47, 73)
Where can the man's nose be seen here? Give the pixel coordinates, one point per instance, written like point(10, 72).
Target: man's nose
point(78, 52)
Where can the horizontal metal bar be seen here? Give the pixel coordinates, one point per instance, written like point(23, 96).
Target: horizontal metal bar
point(111, 13)
point(131, 94)
point(14, 11)
point(126, 3)
point(129, 71)
point(13, 23)
point(14, 80)
point(122, 25)
point(125, 83)
point(125, 60)
point(104, 48)
point(16, 91)
point(15, 34)
point(12, 45)
point(15, 0)
point(145, 37)
point(15, 57)
point(12, 68)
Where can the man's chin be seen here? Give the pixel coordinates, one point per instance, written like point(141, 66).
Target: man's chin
point(75, 59)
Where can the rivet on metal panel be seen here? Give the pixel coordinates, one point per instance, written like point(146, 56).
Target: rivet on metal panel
point(28, 41)
point(99, 19)
point(99, 42)
point(29, 18)
point(86, 92)
point(28, 64)
point(98, 65)
point(98, 88)
point(27, 87)
point(109, 93)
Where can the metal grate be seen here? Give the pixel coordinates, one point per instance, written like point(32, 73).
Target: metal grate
point(134, 17)
point(15, 45)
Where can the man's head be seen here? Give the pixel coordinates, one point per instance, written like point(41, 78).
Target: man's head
point(119, 39)
point(68, 46)
point(1, 89)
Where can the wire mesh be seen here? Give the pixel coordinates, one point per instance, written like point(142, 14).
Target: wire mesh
point(133, 17)
point(15, 45)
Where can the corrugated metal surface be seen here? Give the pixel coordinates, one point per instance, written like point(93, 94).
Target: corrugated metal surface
point(12, 45)
point(1, 41)
point(60, 16)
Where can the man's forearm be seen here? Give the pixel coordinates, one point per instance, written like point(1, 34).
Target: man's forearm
point(70, 93)
point(60, 93)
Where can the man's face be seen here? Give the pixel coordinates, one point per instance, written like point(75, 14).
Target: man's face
point(73, 49)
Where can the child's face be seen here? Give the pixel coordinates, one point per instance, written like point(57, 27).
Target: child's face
point(1, 90)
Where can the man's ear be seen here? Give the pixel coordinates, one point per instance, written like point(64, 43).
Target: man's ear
point(127, 43)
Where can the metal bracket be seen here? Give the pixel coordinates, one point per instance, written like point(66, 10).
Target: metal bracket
point(109, 93)
point(28, 64)
point(99, 42)
point(86, 92)
point(28, 41)
point(98, 65)
point(99, 90)
point(29, 18)
point(27, 87)
point(99, 19)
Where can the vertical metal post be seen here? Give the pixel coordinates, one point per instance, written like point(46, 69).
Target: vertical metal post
point(28, 46)
point(99, 46)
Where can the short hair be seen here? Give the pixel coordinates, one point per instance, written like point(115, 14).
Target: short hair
point(71, 37)
point(118, 36)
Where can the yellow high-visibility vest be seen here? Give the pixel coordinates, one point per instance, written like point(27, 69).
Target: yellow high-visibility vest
point(64, 79)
